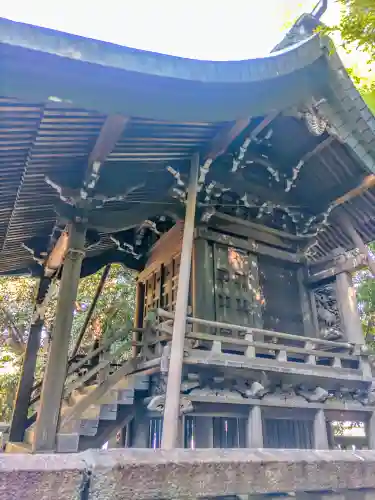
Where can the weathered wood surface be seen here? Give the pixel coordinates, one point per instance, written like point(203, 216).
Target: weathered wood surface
point(55, 372)
point(172, 403)
point(250, 245)
point(150, 474)
point(337, 265)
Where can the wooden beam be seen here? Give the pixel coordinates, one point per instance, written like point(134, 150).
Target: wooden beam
point(337, 266)
point(110, 133)
point(225, 137)
point(257, 227)
point(367, 183)
point(172, 400)
point(249, 245)
point(26, 381)
point(55, 373)
point(347, 226)
point(57, 255)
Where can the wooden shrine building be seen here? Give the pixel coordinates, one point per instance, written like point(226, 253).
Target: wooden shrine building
point(242, 193)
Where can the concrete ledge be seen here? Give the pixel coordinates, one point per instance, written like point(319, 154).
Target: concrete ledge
point(148, 474)
point(41, 477)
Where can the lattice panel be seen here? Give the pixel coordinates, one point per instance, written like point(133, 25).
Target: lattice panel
point(152, 298)
point(170, 283)
point(237, 294)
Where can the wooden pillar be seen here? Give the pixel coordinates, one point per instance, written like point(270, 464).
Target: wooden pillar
point(309, 327)
point(320, 438)
point(26, 381)
point(255, 428)
point(55, 374)
point(347, 303)
point(172, 403)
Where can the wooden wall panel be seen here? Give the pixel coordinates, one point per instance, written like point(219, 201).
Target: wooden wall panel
point(280, 290)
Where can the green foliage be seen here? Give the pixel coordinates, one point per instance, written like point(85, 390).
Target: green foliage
point(369, 98)
point(366, 302)
point(355, 34)
point(8, 387)
point(357, 26)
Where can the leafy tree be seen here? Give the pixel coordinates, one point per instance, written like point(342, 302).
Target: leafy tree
point(365, 285)
point(357, 26)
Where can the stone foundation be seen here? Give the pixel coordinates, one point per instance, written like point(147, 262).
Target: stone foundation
point(148, 474)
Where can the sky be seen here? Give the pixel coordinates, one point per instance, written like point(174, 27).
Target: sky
point(197, 29)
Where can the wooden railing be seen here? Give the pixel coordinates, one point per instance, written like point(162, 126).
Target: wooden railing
point(254, 343)
point(83, 371)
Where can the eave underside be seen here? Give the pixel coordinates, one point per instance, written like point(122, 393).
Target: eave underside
point(44, 143)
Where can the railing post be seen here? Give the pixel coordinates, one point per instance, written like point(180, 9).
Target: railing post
point(55, 374)
point(172, 402)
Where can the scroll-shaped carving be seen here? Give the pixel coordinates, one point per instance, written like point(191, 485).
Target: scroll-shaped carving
point(317, 395)
point(157, 403)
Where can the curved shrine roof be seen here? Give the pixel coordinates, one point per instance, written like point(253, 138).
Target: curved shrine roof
point(288, 134)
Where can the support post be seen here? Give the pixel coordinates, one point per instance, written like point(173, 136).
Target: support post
point(255, 428)
point(26, 381)
point(55, 374)
point(347, 302)
point(320, 438)
point(172, 402)
point(349, 229)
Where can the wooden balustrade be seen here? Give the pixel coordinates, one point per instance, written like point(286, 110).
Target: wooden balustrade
point(236, 339)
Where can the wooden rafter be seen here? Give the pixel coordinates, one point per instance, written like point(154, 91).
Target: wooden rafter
point(109, 135)
point(367, 183)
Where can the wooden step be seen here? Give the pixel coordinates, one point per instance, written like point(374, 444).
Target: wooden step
point(17, 448)
point(108, 412)
point(67, 442)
